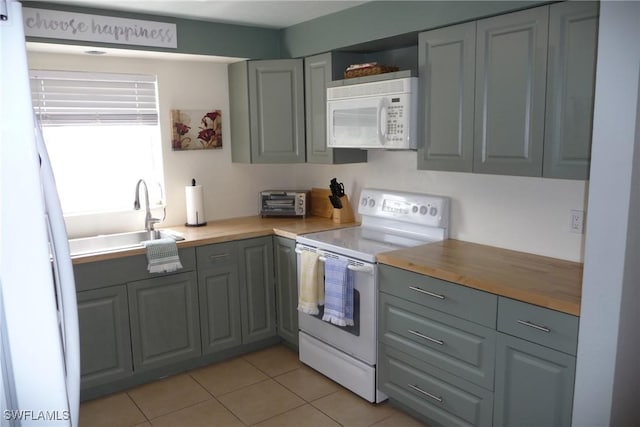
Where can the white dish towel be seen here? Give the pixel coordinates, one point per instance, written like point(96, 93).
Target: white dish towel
point(311, 292)
point(162, 255)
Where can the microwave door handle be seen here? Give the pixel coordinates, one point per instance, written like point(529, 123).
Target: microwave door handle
point(331, 129)
point(382, 122)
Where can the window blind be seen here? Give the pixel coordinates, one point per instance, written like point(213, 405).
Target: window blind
point(80, 98)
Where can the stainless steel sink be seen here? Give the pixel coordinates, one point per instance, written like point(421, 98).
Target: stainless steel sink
point(116, 242)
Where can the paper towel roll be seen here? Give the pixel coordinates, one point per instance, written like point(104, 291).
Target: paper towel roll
point(195, 205)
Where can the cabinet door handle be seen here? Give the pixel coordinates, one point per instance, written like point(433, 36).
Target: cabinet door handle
point(422, 291)
point(216, 257)
point(426, 393)
point(418, 334)
point(534, 326)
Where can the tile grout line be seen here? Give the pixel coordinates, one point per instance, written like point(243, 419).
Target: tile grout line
point(304, 402)
point(139, 408)
point(294, 392)
point(150, 420)
point(222, 403)
point(321, 411)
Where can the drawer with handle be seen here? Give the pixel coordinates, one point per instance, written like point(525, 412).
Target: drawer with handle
point(546, 327)
point(436, 395)
point(455, 345)
point(218, 254)
point(457, 300)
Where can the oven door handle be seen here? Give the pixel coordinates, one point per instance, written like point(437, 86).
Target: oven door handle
point(359, 268)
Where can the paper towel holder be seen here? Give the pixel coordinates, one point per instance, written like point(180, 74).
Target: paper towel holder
point(197, 223)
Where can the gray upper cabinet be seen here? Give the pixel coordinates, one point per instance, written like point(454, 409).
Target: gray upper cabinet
point(286, 275)
point(511, 68)
point(267, 111)
point(573, 37)
point(257, 290)
point(105, 342)
point(320, 70)
point(165, 324)
point(446, 60)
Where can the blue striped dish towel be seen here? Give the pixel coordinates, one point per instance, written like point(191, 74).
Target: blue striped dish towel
point(162, 255)
point(338, 292)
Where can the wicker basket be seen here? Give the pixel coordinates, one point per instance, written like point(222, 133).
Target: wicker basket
point(368, 69)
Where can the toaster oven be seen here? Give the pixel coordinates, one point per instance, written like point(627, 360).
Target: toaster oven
point(284, 203)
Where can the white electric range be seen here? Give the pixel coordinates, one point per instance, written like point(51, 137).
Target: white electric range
point(390, 220)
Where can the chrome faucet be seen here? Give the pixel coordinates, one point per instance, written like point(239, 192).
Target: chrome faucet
point(148, 221)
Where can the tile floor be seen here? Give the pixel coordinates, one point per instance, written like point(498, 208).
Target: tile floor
point(268, 388)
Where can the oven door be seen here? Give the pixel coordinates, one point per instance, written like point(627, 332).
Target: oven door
point(359, 340)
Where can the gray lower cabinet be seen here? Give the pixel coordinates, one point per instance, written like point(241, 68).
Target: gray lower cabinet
point(457, 356)
point(266, 102)
point(511, 69)
point(136, 326)
point(237, 293)
point(165, 324)
point(534, 384)
point(219, 293)
point(257, 290)
point(319, 70)
point(436, 348)
point(446, 60)
point(535, 365)
point(462, 348)
point(286, 276)
point(430, 392)
point(573, 40)
point(105, 343)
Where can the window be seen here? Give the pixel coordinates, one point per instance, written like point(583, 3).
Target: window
point(102, 134)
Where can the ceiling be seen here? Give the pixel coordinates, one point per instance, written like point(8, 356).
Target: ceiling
point(261, 13)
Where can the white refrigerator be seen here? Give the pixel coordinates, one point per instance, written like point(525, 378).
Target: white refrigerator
point(39, 343)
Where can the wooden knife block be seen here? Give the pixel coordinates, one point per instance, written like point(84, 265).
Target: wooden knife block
point(344, 215)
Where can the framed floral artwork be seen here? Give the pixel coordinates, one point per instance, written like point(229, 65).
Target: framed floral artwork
point(196, 129)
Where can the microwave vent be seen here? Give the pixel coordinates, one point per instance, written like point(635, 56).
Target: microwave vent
point(370, 89)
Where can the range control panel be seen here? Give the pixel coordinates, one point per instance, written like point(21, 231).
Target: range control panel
point(417, 208)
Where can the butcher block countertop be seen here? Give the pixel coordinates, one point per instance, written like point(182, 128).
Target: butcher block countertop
point(539, 280)
point(228, 230)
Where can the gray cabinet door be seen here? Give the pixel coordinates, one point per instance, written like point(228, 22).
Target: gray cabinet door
point(239, 112)
point(257, 289)
point(318, 71)
point(219, 308)
point(105, 343)
point(534, 384)
point(286, 273)
point(446, 58)
point(511, 67)
point(276, 111)
point(573, 39)
point(165, 325)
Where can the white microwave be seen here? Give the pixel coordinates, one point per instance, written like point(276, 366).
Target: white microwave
point(380, 114)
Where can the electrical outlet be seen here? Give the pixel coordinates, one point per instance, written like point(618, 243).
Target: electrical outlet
point(576, 221)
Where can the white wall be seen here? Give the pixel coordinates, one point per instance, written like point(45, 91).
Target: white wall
point(230, 189)
point(608, 367)
point(526, 214)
